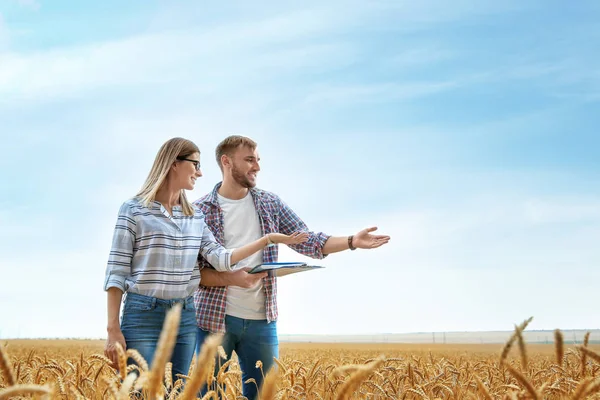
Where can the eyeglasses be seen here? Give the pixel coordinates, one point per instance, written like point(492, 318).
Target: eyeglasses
point(195, 162)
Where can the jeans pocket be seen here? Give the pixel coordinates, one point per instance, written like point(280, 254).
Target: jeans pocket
point(189, 304)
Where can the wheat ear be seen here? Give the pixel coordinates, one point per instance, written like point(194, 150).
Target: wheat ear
point(483, 389)
point(122, 360)
point(138, 358)
point(586, 340)
point(582, 388)
point(559, 345)
point(350, 386)
point(6, 367)
point(126, 386)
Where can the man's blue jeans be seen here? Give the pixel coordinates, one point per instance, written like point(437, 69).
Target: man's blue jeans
point(141, 324)
point(252, 340)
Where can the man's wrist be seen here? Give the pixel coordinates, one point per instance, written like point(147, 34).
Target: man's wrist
point(350, 240)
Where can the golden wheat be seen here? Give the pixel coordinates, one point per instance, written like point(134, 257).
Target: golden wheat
point(76, 370)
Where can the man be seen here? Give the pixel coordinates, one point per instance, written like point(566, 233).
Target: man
point(244, 306)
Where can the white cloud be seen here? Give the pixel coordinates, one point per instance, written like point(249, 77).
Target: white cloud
point(167, 57)
point(563, 210)
point(419, 56)
point(247, 49)
point(375, 93)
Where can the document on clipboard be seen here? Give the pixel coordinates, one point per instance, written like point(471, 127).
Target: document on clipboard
point(283, 268)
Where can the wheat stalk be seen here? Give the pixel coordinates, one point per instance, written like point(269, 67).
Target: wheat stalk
point(590, 353)
point(512, 338)
point(522, 348)
point(164, 349)
point(521, 378)
point(269, 386)
point(17, 390)
point(207, 353)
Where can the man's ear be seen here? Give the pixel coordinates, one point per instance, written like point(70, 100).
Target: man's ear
point(225, 161)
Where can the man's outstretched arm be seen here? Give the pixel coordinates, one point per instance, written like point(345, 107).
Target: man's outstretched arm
point(320, 244)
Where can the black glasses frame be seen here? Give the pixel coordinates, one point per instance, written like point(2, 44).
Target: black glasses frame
point(196, 162)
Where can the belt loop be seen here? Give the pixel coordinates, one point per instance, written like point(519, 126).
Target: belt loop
point(153, 302)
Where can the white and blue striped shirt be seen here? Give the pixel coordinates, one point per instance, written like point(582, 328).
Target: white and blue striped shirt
point(155, 254)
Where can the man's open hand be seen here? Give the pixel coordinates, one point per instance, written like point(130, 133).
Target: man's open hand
point(365, 240)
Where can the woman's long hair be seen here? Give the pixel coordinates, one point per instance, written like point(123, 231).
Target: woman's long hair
point(167, 155)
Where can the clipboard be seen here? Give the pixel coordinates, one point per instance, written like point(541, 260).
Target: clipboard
point(283, 268)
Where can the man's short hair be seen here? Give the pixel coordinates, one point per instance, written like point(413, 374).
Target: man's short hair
point(230, 144)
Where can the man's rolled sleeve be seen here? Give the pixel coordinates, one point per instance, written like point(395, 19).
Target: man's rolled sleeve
point(118, 268)
point(313, 247)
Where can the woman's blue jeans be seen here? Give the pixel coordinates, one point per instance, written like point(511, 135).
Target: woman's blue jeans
point(141, 324)
point(252, 340)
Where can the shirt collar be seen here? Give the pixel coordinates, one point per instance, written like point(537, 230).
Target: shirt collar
point(213, 199)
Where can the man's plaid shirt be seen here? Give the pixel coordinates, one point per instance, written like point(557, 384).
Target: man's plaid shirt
point(275, 216)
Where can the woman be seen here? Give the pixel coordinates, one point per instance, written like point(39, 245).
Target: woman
point(154, 253)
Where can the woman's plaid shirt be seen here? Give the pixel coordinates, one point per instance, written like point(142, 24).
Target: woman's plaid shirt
point(275, 216)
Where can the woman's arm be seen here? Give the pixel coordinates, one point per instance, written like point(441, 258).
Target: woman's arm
point(117, 271)
point(270, 238)
point(113, 327)
point(223, 259)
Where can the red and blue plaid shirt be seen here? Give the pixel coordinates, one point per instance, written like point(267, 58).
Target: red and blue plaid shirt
point(275, 216)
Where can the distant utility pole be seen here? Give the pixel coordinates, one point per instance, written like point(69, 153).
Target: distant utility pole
point(433, 336)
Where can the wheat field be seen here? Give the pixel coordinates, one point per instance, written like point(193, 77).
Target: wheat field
point(76, 369)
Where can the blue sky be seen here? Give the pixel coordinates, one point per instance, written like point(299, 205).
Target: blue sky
point(466, 130)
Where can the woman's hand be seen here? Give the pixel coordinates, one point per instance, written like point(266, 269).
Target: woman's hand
point(110, 349)
point(294, 238)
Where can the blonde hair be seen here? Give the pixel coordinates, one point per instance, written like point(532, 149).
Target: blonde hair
point(230, 144)
point(167, 155)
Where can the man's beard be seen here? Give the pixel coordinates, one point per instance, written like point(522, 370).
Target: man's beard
point(240, 178)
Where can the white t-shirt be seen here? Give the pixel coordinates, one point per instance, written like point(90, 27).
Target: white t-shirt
point(242, 226)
